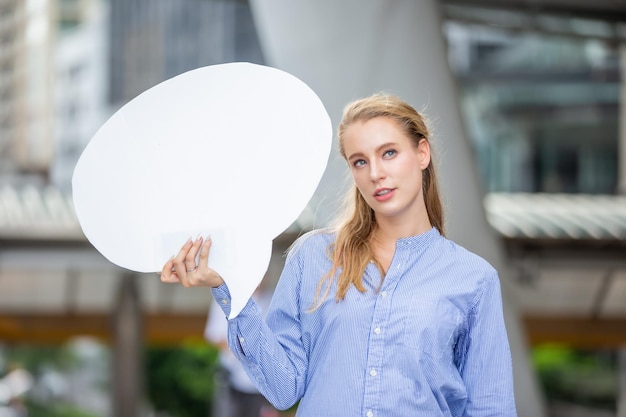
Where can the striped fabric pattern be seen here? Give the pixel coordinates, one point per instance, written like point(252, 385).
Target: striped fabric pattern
point(429, 341)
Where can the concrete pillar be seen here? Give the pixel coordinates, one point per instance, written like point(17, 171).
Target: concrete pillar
point(621, 189)
point(621, 162)
point(352, 48)
point(128, 368)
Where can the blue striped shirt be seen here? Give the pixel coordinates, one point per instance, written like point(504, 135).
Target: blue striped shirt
point(430, 341)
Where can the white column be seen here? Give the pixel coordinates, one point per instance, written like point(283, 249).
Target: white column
point(352, 48)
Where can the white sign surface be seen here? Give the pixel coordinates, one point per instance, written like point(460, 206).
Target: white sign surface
point(234, 151)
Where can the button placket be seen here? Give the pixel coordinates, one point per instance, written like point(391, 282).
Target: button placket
point(376, 353)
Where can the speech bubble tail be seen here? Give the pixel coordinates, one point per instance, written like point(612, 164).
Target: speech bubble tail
point(237, 304)
point(244, 277)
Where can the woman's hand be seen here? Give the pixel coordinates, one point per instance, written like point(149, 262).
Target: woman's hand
point(182, 268)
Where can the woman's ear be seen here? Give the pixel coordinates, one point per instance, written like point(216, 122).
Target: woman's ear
point(423, 152)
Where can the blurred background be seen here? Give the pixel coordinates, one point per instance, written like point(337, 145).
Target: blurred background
point(525, 97)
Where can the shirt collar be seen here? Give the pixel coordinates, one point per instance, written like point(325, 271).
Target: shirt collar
point(418, 242)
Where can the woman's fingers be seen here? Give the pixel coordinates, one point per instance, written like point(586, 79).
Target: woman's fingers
point(203, 262)
point(190, 259)
point(167, 273)
point(182, 267)
point(204, 275)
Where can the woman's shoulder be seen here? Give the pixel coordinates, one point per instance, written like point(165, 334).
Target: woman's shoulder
point(312, 241)
point(467, 273)
point(463, 258)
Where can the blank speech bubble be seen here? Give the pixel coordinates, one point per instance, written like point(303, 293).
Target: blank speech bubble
point(234, 151)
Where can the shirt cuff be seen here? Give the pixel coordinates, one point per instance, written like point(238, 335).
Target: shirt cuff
point(223, 298)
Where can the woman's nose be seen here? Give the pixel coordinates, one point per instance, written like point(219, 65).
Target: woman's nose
point(376, 171)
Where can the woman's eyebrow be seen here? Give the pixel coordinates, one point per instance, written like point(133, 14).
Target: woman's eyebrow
point(378, 149)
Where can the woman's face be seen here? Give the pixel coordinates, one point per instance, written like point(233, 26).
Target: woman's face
point(387, 167)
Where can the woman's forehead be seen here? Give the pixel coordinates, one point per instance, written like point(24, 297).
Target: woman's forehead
point(368, 136)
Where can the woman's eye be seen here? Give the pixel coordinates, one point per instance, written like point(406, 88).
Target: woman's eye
point(358, 163)
point(389, 153)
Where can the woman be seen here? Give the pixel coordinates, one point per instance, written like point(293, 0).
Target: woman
point(380, 315)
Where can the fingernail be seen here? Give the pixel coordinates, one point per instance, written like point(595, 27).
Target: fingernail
point(198, 237)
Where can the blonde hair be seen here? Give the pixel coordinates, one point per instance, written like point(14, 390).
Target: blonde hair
point(351, 251)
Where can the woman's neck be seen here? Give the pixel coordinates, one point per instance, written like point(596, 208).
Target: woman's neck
point(388, 231)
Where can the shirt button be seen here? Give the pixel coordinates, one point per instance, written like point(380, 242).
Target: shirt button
point(369, 413)
point(224, 301)
point(373, 372)
point(377, 330)
point(384, 294)
point(241, 339)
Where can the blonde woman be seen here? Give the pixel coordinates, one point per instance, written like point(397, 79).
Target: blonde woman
point(380, 315)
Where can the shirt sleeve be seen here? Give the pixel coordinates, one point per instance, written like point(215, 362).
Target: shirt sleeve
point(271, 351)
point(486, 366)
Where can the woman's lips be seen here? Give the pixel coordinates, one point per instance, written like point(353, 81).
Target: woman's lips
point(384, 194)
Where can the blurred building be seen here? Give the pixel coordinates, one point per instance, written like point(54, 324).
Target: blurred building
point(542, 96)
point(542, 110)
point(542, 106)
point(27, 33)
point(81, 83)
point(153, 40)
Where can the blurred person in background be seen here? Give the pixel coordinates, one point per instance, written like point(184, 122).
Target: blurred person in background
point(380, 315)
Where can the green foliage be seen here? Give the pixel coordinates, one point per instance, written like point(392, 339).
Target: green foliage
point(579, 377)
point(34, 357)
point(55, 410)
point(179, 380)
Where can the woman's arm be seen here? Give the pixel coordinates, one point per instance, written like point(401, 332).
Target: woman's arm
point(486, 366)
point(271, 351)
point(274, 356)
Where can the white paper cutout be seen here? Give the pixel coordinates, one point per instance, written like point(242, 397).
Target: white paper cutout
point(234, 151)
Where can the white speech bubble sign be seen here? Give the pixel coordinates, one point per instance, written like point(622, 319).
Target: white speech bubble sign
point(234, 151)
